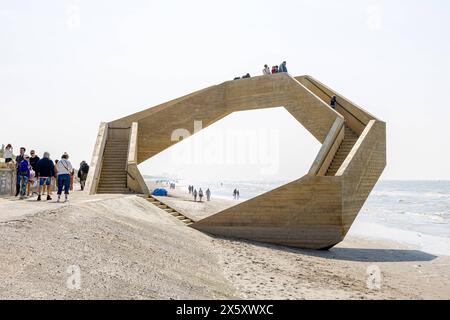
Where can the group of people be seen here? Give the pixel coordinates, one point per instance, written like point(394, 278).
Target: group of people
point(236, 194)
point(194, 193)
point(32, 170)
point(267, 71)
point(275, 69)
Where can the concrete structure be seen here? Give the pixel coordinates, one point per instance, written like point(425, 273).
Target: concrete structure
point(315, 211)
point(7, 181)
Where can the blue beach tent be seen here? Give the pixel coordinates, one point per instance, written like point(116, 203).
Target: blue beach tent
point(160, 192)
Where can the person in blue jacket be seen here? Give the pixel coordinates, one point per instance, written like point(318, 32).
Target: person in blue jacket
point(282, 67)
point(24, 174)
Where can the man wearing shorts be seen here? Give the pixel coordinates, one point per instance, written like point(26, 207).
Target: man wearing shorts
point(45, 171)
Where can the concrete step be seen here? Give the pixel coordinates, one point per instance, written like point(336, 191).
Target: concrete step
point(113, 182)
point(124, 191)
point(116, 157)
point(112, 168)
point(113, 173)
point(112, 186)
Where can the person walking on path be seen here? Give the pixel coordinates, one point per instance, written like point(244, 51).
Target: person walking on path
point(33, 162)
point(283, 67)
point(24, 175)
point(8, 154)
point(19, 159)
point(200, 194)
point(266, 70)
point(208, 195)
point(56, 173)
point(45, 170)
point(194, 193)
point(33, 159)
point(65, 170)
point(83, 173)
point(31, 181)
point(333, 102)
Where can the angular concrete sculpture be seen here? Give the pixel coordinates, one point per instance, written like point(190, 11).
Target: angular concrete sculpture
point(314, 212)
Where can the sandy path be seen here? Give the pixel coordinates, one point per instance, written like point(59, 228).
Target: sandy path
point(125, 248)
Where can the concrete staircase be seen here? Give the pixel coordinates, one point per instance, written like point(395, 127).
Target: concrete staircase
point(346, 146)
point(113, 177)
point(170, 211)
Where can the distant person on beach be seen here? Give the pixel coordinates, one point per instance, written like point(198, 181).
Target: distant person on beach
point(8, 154)
point(208, 194)
point(283, 67)
point(274, 69)
point(234, 194)
point(200, 194)
point(246, 76)
point(194, 193)
point(83, 173)
point(65, 170)
point(237, 194)
point(19, 159)
point(45, 170)
point(237, 78)
point(266, 70)
point(333, 102)
point(24, 175)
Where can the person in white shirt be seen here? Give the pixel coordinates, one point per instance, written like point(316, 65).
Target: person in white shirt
point(266, 70)
point(8, 154)
point(64, 169)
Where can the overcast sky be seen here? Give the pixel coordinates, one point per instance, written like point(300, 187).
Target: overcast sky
point(65, 66)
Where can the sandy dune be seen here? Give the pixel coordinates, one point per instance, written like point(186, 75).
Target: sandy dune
point(127, 248)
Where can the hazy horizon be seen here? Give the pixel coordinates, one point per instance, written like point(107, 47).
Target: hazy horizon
point(66, 66)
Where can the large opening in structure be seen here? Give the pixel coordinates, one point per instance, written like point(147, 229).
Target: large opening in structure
point(252, 151)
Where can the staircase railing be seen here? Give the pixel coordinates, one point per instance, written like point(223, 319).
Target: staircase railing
point(97, 159)
point(328, 149)
point(135, 181)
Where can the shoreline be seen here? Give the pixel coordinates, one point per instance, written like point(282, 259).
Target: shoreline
point(363, 227)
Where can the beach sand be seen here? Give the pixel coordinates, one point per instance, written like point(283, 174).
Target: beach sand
point(126, 248)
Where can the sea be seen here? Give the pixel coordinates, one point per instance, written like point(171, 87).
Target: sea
point(415, 213)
